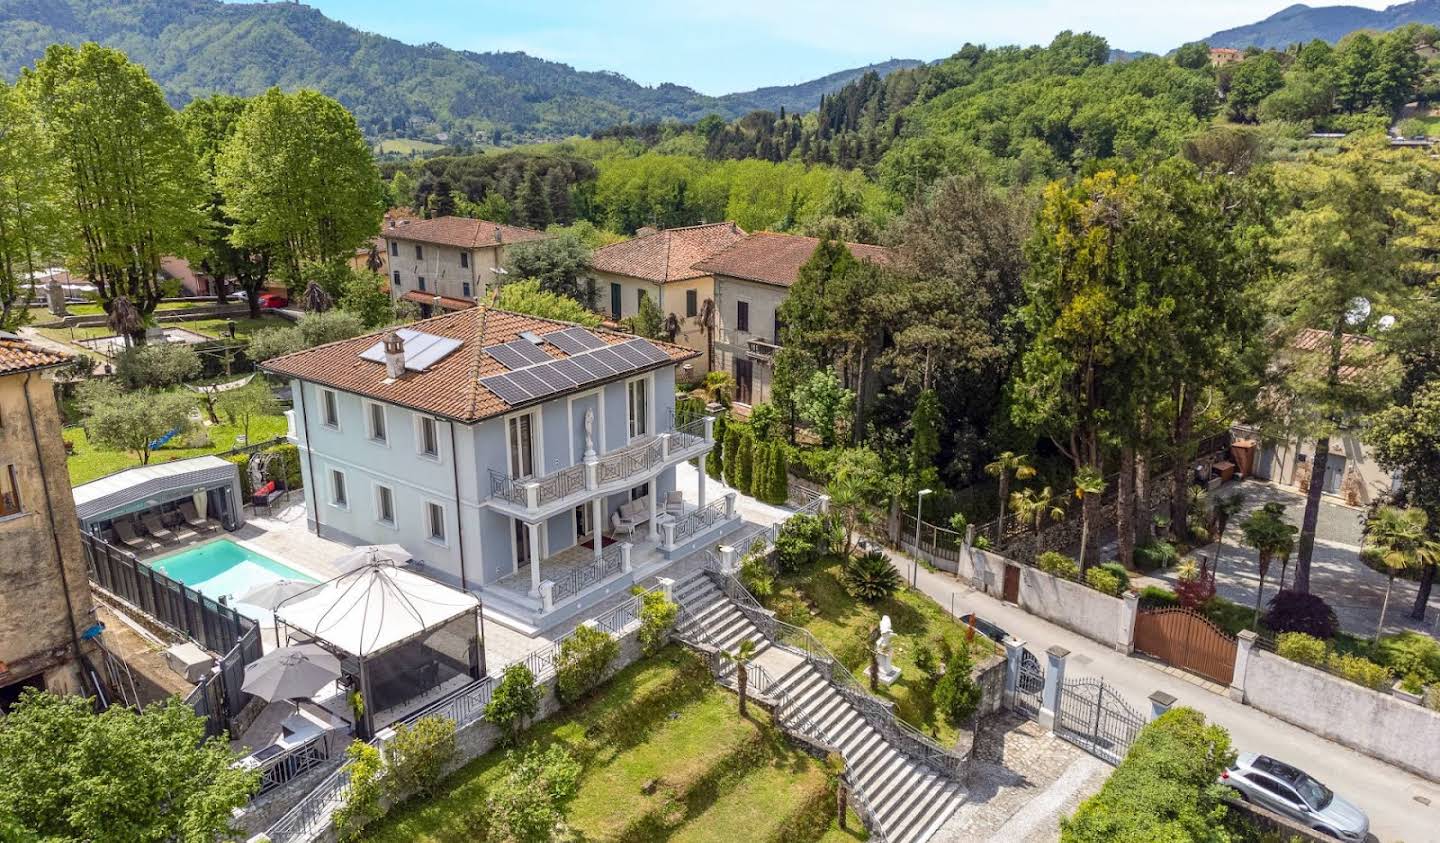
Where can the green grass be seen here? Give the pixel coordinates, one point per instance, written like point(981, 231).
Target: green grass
point(96, 310)
point(89, 463)
point(816, 599)
point(660, 721)
point(407, 146)
point(244, 328)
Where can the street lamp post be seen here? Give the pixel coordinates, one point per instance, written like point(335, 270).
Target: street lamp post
point(915, 560)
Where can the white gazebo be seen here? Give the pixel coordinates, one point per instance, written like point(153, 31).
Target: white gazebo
point(403, 640)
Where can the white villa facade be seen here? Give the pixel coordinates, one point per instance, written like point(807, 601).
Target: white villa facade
point(544, 492)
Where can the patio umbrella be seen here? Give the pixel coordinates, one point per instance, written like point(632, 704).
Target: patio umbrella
point(290, 673)
point(271, 594)
point(370, 554)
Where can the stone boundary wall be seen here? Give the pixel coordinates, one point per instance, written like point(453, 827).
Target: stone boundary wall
point(1379, 725)
point(1076, 607)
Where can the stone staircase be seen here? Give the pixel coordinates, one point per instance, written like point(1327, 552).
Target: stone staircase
point(907, 798)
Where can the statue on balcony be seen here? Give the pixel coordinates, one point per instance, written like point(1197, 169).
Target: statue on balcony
point(589, 435)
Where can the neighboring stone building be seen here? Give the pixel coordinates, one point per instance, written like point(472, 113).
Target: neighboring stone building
point(44, 589)
point(752, 278)
point(1220, 56)
point(661, 265)
point(446, 263)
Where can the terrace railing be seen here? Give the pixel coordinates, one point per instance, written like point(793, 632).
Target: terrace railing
point(697, 521)
point(628, 462)
point(578, 579)
point(281, 769)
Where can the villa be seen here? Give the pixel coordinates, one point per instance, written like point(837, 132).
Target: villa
point(446, 263)
point(527, 461)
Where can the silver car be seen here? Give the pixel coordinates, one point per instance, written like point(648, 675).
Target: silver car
point(1289, 791)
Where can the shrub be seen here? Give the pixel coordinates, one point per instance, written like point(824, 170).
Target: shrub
point(1154, 555)
point(287, 467)
point(801, 542)
point(1058, 564)
point(756, 577)
point(1413, 683)
point(1360, 670)
point(527, 805)
point(274, 342)
point(330, 326)
point(956, 694)
point(416, 757)
point(1291, 611)
point(870, 577)
point(1195, 585)
point(1104, 581)
point(657, 616)
point(1157, 597)
point(1164, 789)
point(926, 663)
point(156, 366)
point(778, 489)
point(715, 460)
point(362, 801)
point(514, 701)
point(583, 663)
point(745, 472)
point(982, 542)
point(1302, 648)
point(1410, 653)
point(1432, 697)
point(733, 440)
point(1120, 574)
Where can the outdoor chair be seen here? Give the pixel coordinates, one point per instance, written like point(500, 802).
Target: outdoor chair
point(675, 503)
point(177, 525)
point(192, 517)
point(620, 525)
point(158, 530)
point(125, 531)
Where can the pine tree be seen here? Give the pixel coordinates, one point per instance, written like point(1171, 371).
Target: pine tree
point(557, 193)
point(715, 461)
point(745, 473)
point(760, 474)
point(534, 208)
point(779, 474)
point(732, 456)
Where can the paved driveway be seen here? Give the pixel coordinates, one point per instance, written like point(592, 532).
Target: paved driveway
point(1353, 590)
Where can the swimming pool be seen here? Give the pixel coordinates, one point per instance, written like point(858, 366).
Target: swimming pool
point(222, 568)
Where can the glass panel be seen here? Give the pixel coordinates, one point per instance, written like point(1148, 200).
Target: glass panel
point(9, 492)
point(522, 448)
point(437, 521)
point(522, 544)
point(639, 415)
point(387, 504)
point(377, 422)
point(428, 445)
point(337, 487)
point(332, 413)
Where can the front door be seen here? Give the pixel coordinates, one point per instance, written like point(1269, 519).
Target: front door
point(583, 517)
point(744, 379)
point(1334, 473)
point(522, 544)
point(1010, 593)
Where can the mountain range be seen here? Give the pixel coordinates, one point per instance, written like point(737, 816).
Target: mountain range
point(196, 47)
point(1301, 23)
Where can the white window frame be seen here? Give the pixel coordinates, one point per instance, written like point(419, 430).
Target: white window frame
point(342, 499)
point(394, 519)
point(420, 420)
point(384, 437)
point(537, 443)
point(430, 509)
point(329, 400)
point(649, 419)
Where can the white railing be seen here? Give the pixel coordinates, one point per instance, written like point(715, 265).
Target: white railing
point(608, 565)
point(699, 520)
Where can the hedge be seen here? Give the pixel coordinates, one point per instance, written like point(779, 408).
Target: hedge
point(285, 470)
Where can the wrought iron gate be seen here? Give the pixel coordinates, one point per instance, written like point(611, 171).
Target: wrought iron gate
point(1029, 686)
point(1187, 640)
point(1093, 717)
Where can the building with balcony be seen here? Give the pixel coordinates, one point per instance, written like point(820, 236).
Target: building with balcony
point(446, 263)
point(660, 265)
point(528, 461)
point(752, 278)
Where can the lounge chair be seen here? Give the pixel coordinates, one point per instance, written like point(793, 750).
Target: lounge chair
point(125, 532)
point(158, 530)
point(177, 524)
point(675, 503)
point(192, 517)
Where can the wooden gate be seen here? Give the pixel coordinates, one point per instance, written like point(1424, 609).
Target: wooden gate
point(1188, 640)
point(1011, 591)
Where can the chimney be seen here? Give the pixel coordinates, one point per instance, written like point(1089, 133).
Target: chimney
point(394, 355)
point(497, 234)
point(734, 229)
point(391, 220)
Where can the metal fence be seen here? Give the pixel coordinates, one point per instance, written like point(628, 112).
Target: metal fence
point(578, 579)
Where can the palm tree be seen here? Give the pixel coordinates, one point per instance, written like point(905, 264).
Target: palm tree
point(1031, 507)
point(1006, 465)
point(316, 299)
point(373, 260)
point(741, 658)
point(1400, 535)
point(1222, 510)
point(1087, 482)
point(1271, 535)
point(671, 327)
point(125, 320)
point(709, 318)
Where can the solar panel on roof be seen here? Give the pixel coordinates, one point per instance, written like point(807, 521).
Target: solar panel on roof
point(566, 342)
point(630, 354)
point(595, 366)
point(528, 351)
point(422, 350)
point(652, 352)
point(506, 389)
point(584, 338)
point(573, 370)
point(526, 380)
point(609, 357)
point(553, 377)
point(507, 356)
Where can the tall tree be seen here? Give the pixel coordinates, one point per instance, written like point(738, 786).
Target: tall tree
point(298, 178)
point(1404, 439)
point(1006, 466)
point(1359, 226)
point(129, 185)
point(1401, 535)
point(30, 222)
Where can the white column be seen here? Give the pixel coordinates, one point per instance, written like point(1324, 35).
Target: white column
point(1125, 634)
point(1054, 680)
point(1160, 702)
point(597, 524)
point(701, 491)
point(1244, 648)
point(654, 493)
point(534, 530)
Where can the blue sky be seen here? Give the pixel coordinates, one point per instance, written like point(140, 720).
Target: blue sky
point(733, 45)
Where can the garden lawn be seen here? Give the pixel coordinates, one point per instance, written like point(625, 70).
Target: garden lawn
point(216, 328)
point(660, 722)
point(90, 463)
point(816, 599)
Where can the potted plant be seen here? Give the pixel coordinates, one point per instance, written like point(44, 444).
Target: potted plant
point(1410, 688)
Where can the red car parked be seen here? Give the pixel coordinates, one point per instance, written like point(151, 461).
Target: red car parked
point(276, 300)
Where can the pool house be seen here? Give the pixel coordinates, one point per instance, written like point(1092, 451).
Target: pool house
point(147, 508)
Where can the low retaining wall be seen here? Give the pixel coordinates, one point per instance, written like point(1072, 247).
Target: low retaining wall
point(1076, 607)
point(1367, 721)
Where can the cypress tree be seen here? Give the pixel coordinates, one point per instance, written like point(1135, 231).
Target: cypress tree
point(760, 477)
point(732, 456)
point(745, 474)
point(779, 474)
point(715, 460)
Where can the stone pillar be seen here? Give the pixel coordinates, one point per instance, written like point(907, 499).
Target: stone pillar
point(547, 596)
point(651, 498)
point(727, 559)
point(625, 564)
point(1160, 702)
point(55, 298)
point(1125, 635)
point(597, 520)
point(1014, 652)
point(700, 493)
point(667, 534)
point(709, 437)
point(729, 505)
point(664, 446)
point(534, 531)
point(1054, 677)
point(532, 496)
point(824, 504)
point(1245, 645)
point(592, 475)
point(667, 586)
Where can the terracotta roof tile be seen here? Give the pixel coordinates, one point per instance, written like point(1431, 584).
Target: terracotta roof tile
point(18, 355)
point(461, 232)
point(1356, 351)
point(776, 258)
point(451, 387)
point(668, 255)
point(446, 302)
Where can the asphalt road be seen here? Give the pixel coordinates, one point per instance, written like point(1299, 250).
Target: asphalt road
point(1391, 797)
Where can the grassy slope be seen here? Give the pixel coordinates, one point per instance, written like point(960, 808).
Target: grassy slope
point(89, 463)
point(817, 600)
point(659, 720)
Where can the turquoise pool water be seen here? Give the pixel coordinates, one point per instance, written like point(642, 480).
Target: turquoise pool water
point(222, 568)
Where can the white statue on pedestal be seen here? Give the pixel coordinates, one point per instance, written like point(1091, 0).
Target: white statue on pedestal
point(589, 435)
point(884, 654)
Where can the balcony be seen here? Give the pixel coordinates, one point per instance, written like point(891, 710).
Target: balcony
point(762, 351)
point(535, 498)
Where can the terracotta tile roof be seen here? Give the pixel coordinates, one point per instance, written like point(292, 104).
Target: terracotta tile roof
point(776, 258)
point(1356, 351)
point(447, 302)
point(451, 387)
point(461, 232)
point(18, 355)
point(668, 255)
